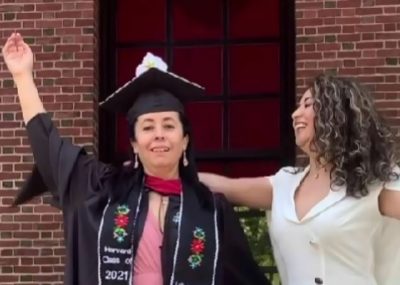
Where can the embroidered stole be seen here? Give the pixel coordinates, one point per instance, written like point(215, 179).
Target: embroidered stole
point(194, 255)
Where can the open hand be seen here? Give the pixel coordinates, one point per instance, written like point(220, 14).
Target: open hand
point(17, 55)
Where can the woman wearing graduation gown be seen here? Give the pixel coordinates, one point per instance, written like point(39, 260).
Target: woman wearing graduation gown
point(151, 222)
point(334, 221)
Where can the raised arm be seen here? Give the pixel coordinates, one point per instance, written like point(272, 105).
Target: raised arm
point(250, 192)
point(64, 168)
point(19, 60)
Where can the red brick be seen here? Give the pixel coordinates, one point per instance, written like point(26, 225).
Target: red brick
point(11, 26)
point(309, 22)
point(387, 19)
point(369, 11)
point(348, 29)
point(84, 23)
point(389, 10)
point(348, 20)
point(386, 2)
point(329, 21)
point(346, 12)
point(52, 24)
point(29, 16)
point(387, 36)
point(27, 269)
point(349, 54)
point(10, 279)
point(369, 28)
point(368, 36)
point(369, 53)
point(309, 5)
point(388, 53)
point(348, 37)
point(27, 218)
point(86, 5)
point(329, 64)
point(75, 14)
point(329, 13)
point(369, 45)
point(48, 7)
point(329, 30)
point(348, 3)
point(370, 62)
point(8, 227)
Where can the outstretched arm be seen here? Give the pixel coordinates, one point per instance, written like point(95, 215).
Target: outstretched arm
point(64, 168)
point(389, 198)
point(389, 203)
point(18, 57)
point(251, 192)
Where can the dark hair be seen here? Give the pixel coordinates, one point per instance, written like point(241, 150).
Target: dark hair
point(188, 173)
point(351, 135)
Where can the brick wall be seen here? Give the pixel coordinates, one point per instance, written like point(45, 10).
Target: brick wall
point(359, 38)
point(62, 35)
point(351, 37)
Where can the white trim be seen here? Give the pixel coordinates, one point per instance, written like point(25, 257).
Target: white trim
point(98, 242)
point(177, 242)
point(216, 242)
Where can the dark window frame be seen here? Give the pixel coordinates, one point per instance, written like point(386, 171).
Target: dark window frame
point(107, 64)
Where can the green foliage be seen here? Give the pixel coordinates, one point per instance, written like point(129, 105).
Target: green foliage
point(255, 226)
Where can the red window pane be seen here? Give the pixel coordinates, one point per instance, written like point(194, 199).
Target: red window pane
point(141, 20)
point(240, 168)
point(194, 20)
point(202, 65)
point(129, 59)
point(206, 121)
point(252, 168)
point(213, 167)
point(254, 69)
point(253, 18)
point(254, 124)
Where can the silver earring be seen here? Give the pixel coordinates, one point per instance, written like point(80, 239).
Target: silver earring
point(185, 161)
point(136, 165)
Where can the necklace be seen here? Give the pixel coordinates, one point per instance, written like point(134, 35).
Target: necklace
point(316, 175)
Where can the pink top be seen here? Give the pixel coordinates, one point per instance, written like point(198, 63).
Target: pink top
point(147, 266)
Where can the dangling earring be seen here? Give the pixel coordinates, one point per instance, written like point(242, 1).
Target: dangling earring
point(136, 165)
point(185, 161)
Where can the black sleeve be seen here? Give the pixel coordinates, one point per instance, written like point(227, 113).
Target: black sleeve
point(62, 168)
point(238, 264)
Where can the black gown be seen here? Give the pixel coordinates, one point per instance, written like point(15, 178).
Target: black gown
point(81, 186)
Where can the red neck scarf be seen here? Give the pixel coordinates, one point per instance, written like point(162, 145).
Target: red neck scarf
point(164, 187)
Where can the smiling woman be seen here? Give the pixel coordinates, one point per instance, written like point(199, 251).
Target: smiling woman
point(151, 222)
point(333, 215)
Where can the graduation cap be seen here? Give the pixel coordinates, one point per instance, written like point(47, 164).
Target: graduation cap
point(153, 89)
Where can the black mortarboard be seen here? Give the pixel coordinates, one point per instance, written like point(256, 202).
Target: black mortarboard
point(154, 89)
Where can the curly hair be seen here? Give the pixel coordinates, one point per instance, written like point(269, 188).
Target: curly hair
point(351, 135)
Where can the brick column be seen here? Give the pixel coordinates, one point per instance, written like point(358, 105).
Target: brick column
point(359, 38)
point(63, 36)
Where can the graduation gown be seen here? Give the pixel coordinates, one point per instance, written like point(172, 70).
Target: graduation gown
point(81, 186)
